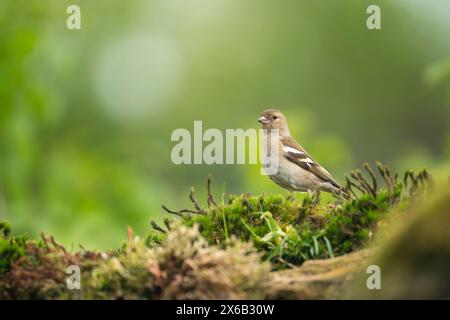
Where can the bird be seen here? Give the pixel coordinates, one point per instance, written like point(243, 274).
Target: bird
point(297, 170)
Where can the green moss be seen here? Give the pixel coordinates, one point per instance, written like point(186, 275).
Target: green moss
point(5, 229)
point(222, 252)
point(288, 231)
point(10, 250)
point(182, 266)
point(415, 258)
point(154, 239)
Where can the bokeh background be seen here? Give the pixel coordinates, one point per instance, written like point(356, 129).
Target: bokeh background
point(86, 115)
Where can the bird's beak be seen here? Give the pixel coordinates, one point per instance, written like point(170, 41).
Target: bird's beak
point(263, 120)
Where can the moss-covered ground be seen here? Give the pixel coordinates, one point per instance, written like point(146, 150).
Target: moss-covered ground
point(220, 249)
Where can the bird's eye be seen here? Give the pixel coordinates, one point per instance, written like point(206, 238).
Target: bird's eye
point(274, 117)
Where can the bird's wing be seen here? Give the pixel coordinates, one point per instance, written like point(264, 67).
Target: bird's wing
point(299, 156)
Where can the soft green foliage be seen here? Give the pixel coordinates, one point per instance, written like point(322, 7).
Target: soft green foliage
point(79, 159)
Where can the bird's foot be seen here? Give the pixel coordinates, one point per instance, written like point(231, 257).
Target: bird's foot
point(316, 198)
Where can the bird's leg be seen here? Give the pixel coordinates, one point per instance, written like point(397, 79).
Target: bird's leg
point(317, 199)
point(310, 194)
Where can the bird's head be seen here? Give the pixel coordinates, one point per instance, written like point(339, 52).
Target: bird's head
point(274, 119)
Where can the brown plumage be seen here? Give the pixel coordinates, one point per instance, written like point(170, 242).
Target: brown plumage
point(298, 171)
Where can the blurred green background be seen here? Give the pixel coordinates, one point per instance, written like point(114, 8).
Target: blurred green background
point(86, 115)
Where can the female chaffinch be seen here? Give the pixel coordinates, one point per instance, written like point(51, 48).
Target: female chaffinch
point(297, 171)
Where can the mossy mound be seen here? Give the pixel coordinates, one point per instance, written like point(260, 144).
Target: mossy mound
point(415, 261)
point(184, 267)
point(226, 250)
point(289, 231)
